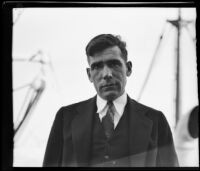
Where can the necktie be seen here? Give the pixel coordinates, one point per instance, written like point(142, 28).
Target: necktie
point(108, 120)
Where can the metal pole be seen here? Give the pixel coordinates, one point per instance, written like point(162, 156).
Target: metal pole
point(179, 23)
point(178, 67)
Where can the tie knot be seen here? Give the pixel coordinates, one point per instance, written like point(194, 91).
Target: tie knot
point(110, 103)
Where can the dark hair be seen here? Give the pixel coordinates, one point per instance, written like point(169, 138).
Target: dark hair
point(103, 41)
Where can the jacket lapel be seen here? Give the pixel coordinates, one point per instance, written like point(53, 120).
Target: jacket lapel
point(139, 132)
point(140, 128)
point(81, 131)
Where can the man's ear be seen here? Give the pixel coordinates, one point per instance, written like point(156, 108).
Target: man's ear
point(129, 68)
point(89, 74)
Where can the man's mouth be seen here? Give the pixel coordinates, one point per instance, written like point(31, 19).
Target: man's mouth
point(108, 85)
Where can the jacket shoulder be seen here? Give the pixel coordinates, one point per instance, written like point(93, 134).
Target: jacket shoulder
point(75, 105)
point(148, 111)
point(68, 110)
point(143, 107)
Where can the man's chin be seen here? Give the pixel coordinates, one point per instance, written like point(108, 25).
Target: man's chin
point(109, 96)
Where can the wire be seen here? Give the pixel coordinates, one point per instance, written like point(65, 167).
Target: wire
point(18, 16)
point(21, 87)
point(57, 85)
point(34, 99)
point(22, 107)
point(189, 32)
point(151, 64)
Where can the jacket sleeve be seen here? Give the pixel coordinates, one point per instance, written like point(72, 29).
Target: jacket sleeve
point(166, 156)
point(53, 153)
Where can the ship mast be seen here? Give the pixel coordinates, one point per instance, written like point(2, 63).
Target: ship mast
point(178, 95)
point(177, 24)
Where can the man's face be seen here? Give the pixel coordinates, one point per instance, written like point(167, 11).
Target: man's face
point(108, 72)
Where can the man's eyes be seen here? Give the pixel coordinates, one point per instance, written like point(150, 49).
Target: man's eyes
point(114, 64)
point(97, 66)
point(110, 64)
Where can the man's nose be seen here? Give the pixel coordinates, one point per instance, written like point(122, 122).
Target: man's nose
point(107, 72)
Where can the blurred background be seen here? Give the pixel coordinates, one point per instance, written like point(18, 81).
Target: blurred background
point(49, 69)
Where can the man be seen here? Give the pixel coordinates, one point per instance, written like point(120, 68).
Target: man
point(110, 129)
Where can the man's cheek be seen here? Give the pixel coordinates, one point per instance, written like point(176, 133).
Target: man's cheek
point(96, 76)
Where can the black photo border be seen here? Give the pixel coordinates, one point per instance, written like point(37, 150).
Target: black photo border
point(6, 63)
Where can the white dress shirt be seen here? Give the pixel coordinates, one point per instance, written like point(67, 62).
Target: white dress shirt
point(119, 105)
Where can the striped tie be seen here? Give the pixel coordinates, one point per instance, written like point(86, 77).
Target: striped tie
point(108, 120)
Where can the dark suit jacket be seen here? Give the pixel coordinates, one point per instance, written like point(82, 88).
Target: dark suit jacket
point(150, 137)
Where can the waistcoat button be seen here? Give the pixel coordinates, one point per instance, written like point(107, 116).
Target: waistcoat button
point(106, 157)
point(114, 162)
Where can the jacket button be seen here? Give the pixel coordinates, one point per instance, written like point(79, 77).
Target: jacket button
point(114, 162)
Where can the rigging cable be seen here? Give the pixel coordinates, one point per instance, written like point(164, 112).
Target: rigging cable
point(151, 64)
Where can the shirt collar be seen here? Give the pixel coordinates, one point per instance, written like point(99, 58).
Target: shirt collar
point(119, 103)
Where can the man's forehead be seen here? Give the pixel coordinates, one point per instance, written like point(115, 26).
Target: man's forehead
point(108, 54)
point(111, 51)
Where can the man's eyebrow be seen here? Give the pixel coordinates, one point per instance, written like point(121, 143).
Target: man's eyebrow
point(109, 61)
point(96, 63)
point(114, 61)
